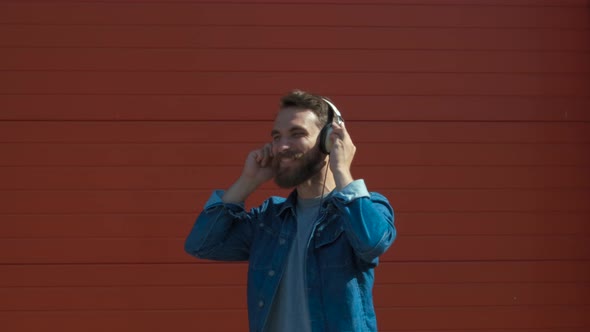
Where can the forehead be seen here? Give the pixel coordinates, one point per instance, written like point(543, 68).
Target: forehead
point(290, 117)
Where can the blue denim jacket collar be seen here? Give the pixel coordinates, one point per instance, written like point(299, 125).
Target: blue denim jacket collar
point(291, 200)
point(289, 204)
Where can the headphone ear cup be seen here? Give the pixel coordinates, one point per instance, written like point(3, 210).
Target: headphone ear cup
point(324, 137)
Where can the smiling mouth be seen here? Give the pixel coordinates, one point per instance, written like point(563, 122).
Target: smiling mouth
point(286, 160)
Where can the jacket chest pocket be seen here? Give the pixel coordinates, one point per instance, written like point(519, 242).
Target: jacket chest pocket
point(331, 246)
point(266, 245)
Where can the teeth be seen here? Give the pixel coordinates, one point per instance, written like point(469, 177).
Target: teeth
point(292, 157)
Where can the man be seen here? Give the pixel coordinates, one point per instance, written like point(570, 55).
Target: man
point(312, 255)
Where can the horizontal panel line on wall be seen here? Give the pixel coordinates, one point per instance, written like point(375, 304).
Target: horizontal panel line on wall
point(257, 118)
point(511, 72)
point(373, 188)
point(293, 25)
point(269, 121)
point(127, 165)
point(393, 328)
point(243, 283)
point(123, 262)
point(236, 309)
point(164, 264)
point(199, 262)
point(268, 190)
point(355, 49)
point(378, 73)
point(450, 95)
point(128, 310)
point(305, 26)
point(116, 120)
point(483, 306)
point(405, 236)
point(74, 141)
point(479, 3)
point(172, 142)
point(191, 214)
point(233, 307)
point(264, 141)
point(134, 213)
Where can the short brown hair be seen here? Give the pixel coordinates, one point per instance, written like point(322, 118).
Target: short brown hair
point(305, 100)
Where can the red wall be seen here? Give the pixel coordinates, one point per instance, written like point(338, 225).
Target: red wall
point(118, 118)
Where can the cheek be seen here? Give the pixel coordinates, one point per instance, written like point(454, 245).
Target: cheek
point(305, 145)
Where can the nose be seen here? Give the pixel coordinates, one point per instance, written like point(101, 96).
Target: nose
point(280, 145)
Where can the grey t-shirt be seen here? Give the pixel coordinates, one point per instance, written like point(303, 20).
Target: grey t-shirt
point(290, 312)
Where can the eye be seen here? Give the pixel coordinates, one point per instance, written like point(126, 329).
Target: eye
point(276, 138)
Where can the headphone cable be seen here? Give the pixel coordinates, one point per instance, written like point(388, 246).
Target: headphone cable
point(323, 187)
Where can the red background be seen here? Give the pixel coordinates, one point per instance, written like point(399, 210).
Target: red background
point(118, 118)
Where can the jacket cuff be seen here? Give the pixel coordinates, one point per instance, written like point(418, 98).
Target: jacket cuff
point(215, 201)
point(355, 189)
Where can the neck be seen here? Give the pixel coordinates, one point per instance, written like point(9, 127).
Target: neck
point(311, 188)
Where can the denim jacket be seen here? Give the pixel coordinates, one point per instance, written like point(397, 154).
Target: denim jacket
point(354, 227)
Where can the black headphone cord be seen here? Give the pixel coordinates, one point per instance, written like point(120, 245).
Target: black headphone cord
point(323, 187)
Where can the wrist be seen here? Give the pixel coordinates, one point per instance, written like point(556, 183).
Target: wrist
point(342, 177)
point(240, 190)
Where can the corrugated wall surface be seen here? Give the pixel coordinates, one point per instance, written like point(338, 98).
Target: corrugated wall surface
point(117, 118)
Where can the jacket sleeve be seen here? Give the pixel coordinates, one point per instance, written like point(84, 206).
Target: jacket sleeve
point(368, 220)
point(222, 231)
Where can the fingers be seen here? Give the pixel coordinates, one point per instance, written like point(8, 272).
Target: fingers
point(341, 139)
point(265, 155)
point(338, 132)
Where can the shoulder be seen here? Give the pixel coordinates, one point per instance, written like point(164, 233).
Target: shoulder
point(377, 196)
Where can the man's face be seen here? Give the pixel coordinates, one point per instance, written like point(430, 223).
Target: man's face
point(297, 156)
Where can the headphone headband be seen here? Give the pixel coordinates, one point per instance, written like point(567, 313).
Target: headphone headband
point(335, 112)
point(324, 137)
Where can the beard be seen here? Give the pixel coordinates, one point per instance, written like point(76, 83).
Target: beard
point(303, 167)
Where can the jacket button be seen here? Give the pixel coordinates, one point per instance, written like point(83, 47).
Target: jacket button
point(271, 273)
point(282, 241)
point(261, 303)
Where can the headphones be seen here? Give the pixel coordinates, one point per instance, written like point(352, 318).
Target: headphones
point(324, 137)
